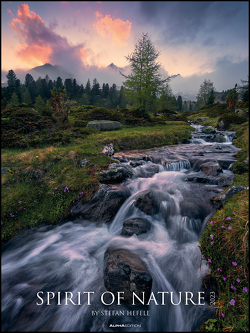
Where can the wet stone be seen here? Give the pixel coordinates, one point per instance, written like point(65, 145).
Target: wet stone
point(124, 271)
point(135, 226)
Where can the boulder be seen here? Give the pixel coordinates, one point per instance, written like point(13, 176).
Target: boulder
point(147, 203)
point(104, 125)
point(125, 272)
point(219, 138)
point(219, 200)
point(220, 125)
point(208, 129)
point(108, 150)
point(211, 168)
point(116, 173)
point(103, 206)
point(135, 226)
point(225, 163)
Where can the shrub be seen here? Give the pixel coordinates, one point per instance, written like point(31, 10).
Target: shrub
point(231, 118)
point(240, 168)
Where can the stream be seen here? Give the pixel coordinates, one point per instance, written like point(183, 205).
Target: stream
point(41, 265)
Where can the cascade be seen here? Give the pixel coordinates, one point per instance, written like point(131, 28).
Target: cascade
point(64, 264)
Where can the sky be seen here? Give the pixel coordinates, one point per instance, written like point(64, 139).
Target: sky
point(197, 39)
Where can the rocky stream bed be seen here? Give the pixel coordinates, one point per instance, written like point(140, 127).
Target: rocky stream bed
point(129, 258)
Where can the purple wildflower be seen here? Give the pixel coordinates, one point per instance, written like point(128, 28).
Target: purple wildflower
point(24, 208)
point(228, 218)
point(209, 260)
point(229, 228)
point(233, 287)
point(34, 200)
point(20, 201)
point(224, 278)
point(223, 226)
point(212, 242)
point(211, 222)
point(244, 289)
point(234, 263)
point(53, 192)
point(238, 280)
point(222, 315)
point(232, 302)
point(212, 236)
point(55, 188)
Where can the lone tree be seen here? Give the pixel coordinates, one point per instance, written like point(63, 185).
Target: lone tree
point(143, 83)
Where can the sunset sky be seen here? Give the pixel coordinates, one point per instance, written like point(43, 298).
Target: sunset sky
point(198, 40)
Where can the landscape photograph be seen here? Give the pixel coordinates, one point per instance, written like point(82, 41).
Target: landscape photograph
point(125, 166)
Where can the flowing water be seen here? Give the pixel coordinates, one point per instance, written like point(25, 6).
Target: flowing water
point(68, 258)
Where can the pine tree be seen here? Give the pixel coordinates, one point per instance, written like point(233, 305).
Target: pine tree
point(179, 103)
point(14, 99)
point(144, 81)
point(28, 79)
point(40, 104)
point(26, 96)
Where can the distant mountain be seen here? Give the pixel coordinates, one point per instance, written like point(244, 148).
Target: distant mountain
point(113, 67)
point(52, 71)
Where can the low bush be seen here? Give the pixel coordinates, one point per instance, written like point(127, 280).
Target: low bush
point(231, 118)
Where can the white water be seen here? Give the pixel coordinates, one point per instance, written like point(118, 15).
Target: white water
point(69, 258)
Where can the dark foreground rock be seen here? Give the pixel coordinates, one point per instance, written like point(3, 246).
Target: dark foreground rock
point(116, 173)
point(103, 206)
point(135, 226)
point(147, 203)
point(219, 200)
point(124, 271)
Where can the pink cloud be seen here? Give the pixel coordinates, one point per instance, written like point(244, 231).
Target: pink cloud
point(10, 12)
point(40, 44)
point(117, 30)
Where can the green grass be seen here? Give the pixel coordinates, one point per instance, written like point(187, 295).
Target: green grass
point(230, 245)
point(35, 174)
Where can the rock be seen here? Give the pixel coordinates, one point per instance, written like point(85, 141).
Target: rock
point(219, 200)
point(220, 125)
point(108, 150)
point(147, 203)
point(223, 179)
point(211, 168)
point(124, 271)
point(103, 206)
point(104, 125)
point(4, 169)
point(135, 226)
point(219, 138)
point(83, 162)
point(116, 173)
point(208, 129)
point(225, 163)
point(134, 164)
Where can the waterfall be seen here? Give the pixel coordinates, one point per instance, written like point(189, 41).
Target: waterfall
point(52, 276)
